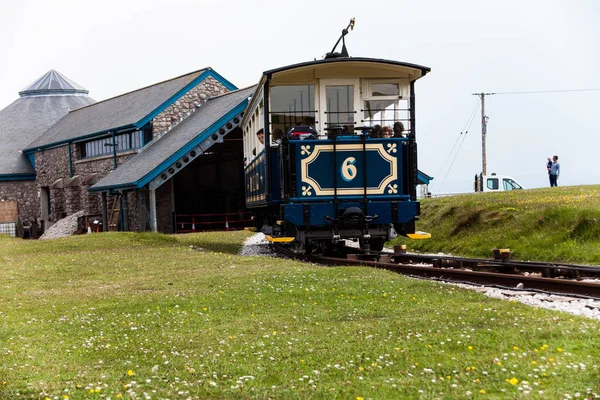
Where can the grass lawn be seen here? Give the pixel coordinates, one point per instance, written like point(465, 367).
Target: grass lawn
point(125, 315)
point(552, 224)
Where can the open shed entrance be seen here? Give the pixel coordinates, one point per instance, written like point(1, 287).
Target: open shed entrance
point(209, 192)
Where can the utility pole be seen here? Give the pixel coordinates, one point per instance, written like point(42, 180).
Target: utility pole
point(483, 130)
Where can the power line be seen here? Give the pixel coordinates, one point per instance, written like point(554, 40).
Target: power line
point(463, 137)
point(543, 91)
point(455, 143)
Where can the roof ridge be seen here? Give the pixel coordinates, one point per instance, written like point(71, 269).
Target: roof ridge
point(143, 88)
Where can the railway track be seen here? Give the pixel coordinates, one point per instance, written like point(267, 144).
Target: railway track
point(528, 276)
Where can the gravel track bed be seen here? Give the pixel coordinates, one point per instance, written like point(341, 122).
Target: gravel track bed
point(257, 245)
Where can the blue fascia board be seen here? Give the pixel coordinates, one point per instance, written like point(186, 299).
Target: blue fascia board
point(184, 90)
point(199, 139)
point(223, 81)
point(17, 177)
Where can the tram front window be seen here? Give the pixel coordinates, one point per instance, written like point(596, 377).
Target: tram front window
point(340, 107)
point(292, 106)
point(384, 105)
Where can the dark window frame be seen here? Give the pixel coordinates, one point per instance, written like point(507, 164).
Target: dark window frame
point(125, 141)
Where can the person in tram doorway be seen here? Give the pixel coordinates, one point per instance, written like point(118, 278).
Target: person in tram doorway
point(554, 171)
point(261, 136)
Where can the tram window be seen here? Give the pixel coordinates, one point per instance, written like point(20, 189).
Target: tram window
point(340, 105)
point(385, 112)
point(292, 106)
point(492, 183)
point(385, 89)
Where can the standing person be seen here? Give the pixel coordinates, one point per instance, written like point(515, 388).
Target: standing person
point(554, 171)
point(548, 166)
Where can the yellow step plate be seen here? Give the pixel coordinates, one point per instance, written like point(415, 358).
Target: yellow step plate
point(279, 239)
point(250, 229)
point(419, 235)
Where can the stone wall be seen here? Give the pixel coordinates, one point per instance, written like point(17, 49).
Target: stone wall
point(190, 101)
point(25, 194)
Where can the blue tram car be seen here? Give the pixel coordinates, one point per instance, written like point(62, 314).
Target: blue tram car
point(320, 165)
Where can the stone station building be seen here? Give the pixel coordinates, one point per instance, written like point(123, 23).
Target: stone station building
point(111, 159)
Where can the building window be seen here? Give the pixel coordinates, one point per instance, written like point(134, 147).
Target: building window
point(123, 142)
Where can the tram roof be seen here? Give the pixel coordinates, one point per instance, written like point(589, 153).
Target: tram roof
point(422, 69)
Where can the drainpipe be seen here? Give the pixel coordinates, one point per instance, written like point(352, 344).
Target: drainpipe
point(114, 146)
point(70, 161)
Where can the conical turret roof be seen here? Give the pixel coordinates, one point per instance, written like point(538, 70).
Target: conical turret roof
point(52, 83)
point(40, 106)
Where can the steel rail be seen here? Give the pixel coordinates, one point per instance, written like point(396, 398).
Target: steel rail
point(532, 265)
point(555, 285)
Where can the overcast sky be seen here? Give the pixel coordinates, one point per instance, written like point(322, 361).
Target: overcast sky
point(112, 47)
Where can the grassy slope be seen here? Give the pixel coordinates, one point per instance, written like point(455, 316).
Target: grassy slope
point(553, 224)
point(109, 315)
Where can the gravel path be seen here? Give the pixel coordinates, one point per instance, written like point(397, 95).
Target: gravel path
point(65, 227)
point(257, 245)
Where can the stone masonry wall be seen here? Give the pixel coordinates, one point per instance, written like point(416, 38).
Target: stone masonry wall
point(133, 204)
point(192, 100)
point(164, 216)
point(71, 195)
point(25, 194)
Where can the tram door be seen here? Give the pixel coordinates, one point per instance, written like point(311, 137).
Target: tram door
point(340, 100)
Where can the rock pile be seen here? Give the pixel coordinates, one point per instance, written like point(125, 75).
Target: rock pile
point(65, 227)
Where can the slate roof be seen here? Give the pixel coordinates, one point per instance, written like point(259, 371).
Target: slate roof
point(160, 154)
point(27, 118)
point(118, 112)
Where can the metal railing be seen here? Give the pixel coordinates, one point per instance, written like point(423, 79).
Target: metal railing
point(187, 223)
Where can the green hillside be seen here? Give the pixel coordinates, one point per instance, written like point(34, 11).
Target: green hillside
point(552, 224)
point(150, 316)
